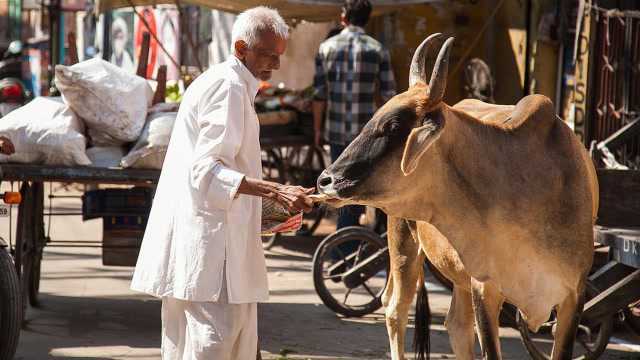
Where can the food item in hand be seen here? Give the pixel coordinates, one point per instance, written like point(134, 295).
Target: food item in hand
point(319, 198)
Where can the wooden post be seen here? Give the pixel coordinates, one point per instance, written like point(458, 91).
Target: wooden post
point(161, 78)
point(143, 60)
point(73, 48)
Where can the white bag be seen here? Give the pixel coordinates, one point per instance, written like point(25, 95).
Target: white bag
point(151, 147)
point(45, 131)
point(112, 102)
point(106, 156)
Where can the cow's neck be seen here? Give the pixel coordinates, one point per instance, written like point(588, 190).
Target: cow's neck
point(461, 172)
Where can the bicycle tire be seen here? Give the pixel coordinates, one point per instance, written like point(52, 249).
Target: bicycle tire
point(341, 236)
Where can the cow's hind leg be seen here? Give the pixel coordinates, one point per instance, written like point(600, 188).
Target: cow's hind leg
point(405, 271)
point(459, 324)
point(568, 317)
point(487, 303)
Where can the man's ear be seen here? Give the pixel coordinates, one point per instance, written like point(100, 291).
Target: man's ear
point(418, 142)
point(241, 49)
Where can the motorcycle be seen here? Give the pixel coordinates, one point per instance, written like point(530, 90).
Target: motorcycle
point(13, 92)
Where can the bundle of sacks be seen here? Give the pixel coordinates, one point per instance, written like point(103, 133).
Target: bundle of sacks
point(103, 107)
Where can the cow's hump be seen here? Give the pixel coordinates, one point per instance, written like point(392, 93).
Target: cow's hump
point(535, 110)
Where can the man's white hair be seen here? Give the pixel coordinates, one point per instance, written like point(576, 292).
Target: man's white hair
point(252, 22)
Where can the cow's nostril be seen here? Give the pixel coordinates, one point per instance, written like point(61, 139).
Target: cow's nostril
point(325, 181)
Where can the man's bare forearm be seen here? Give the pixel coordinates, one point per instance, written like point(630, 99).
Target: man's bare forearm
point(293, 197)
point(257, 187)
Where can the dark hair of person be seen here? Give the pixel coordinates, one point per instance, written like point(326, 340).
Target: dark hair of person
point(357, 12)
point(334, 31)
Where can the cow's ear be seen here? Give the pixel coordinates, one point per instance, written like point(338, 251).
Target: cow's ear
point(418, 142)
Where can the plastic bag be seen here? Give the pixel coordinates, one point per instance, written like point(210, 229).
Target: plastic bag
point(151, 148)
point(45, 131)
point(277, 219)
point(112, 102)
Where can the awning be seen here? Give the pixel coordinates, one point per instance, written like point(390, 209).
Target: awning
point(309, 10)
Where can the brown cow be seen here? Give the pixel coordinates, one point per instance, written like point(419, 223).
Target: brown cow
point(502, 199)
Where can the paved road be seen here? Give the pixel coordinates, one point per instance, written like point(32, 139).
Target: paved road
point(88, 312)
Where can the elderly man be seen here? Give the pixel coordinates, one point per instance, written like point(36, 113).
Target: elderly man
point(202, 252)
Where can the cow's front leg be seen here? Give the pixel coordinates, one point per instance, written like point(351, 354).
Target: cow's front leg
point(459, 324)
point(568, 316)
point(487, 303)
point(406, 260)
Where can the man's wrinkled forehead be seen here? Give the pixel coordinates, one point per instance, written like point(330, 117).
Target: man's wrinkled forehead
point(269, 41)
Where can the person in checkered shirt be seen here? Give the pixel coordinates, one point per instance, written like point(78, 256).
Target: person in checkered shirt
point(353, 77)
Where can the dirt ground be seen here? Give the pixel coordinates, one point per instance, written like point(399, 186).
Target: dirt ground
point(88, 312)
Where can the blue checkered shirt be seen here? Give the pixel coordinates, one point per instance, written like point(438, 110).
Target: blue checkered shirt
point(350, 67)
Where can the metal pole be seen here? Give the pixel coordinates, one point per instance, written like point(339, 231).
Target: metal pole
point(54, 42)
point(527, 54)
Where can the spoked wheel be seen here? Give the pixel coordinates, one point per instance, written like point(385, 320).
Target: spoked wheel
point(350, 271)
point(30, 242)
point(590, 343)
point(272, 167)
point(10, 306)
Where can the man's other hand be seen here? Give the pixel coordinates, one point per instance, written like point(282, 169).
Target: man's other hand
point(6, 146)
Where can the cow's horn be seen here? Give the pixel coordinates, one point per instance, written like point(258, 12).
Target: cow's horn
point(418, 69)
point(438, 82)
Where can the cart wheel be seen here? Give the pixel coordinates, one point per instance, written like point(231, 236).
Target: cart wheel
point(39, 243)
point(272, 167)
point(24, 245)
point(590, 343)
point(10, 306)
point(269, 240)
point(336, 255)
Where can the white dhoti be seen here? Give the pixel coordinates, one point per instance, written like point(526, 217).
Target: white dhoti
point(209, 330)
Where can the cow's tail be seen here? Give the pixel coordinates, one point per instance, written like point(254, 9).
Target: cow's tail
point(421, 341)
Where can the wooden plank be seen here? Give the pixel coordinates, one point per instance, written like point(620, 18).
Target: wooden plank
point(613, 298)
point(143, 60)
point(161, 89)
point(78, 174)
point(73, 48)
point(608, 275)
point(619, 198)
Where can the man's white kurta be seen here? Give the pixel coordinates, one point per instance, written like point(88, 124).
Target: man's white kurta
point(198, 223)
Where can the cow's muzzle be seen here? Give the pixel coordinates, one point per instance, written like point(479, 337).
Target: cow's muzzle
point(325, 185)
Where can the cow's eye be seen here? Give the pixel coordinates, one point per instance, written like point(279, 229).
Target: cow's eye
point(391, 127)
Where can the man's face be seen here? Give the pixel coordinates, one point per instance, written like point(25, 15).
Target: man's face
point(264, 56)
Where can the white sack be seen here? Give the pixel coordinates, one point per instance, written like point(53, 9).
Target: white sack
point(112, 102)
point(45, 131)
point(106, 156)
point(151, 147)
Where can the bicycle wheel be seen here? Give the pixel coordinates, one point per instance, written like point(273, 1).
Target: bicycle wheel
point(590, 342)
point(10, 306)
point(341, 252)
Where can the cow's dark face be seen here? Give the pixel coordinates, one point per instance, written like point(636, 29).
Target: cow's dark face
point(375, 156)
point(381, 160)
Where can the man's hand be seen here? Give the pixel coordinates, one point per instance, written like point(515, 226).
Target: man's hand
point(294, 198)
point(6, 146)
